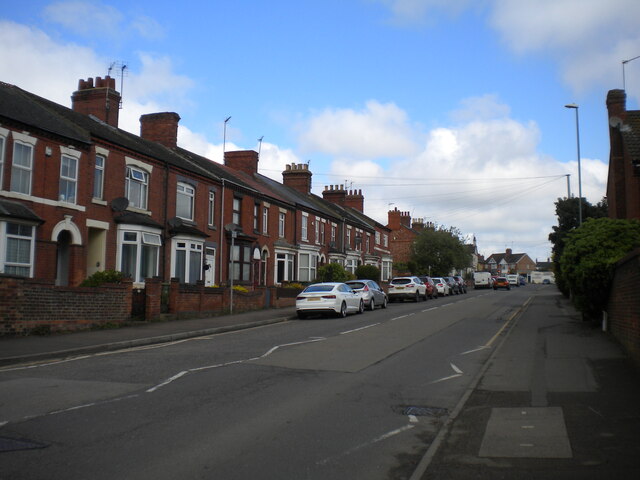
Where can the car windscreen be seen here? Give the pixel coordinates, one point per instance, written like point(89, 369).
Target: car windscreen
point(318, 288)
point(400, 281)
point(356, 285)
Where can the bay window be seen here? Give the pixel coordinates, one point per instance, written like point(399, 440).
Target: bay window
point(17, 246)
point(187, 259)
point(138, 252)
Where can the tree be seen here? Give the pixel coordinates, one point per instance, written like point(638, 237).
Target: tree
point(368, 272)
point(588, 260)
point(333, 272)
point(439, 250)
point(567, 213)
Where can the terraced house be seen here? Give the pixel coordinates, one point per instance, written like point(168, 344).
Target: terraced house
point(79, 195)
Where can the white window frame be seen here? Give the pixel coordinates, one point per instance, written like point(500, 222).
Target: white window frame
point(142, 181)
point(187, 193)
point(288, 260)
point(191, 246)
point(68, 187)
point(317, 231)
point(29, 142)
point(348, 245)
point(304, 228)
point(334, 227)
point(236, 217)
point(4, 133)
point(211, 216)
point(307, 272)
point(98, 176)
point(265, 220)
point(5, 236)
point(282, 219)
point(145, 237)
point(377, 238)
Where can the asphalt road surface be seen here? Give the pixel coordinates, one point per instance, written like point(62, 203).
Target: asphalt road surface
point(354, 398)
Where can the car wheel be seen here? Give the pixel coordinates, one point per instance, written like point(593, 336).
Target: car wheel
point(372, 304)
point(417, 297)
point(384, 302)
point(361, 306)
point(343, 310)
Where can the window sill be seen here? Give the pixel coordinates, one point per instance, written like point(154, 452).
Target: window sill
point(98, 201)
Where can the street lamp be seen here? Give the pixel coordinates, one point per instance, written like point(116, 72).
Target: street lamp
point(224, 135)
point(575, 107)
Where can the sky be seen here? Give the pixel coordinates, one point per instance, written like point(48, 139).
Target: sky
point(451, 110)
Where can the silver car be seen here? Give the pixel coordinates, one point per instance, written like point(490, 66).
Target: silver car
point(372, 294)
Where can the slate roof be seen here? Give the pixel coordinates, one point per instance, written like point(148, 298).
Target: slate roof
point(512, 258)
point(17, 210)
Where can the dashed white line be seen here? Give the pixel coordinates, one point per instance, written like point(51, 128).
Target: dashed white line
point(358, 329)
point(484, 347)
point(429, 309)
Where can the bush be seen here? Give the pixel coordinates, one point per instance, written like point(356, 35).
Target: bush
point(294, 286)
point(588, 260)
point(368, 272)
point(100, 278)
point(333, 272)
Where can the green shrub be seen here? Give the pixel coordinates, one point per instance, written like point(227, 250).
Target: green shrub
point(333, 272)
point(100, 278)
point(588, 260)
point(294, 286)
point(368, 272)
point(240, 288)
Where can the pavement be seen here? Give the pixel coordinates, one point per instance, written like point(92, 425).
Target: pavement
point(14, 350)
point(558, 399)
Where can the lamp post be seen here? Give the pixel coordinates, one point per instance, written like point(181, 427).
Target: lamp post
point(575, 107)
point(224, 135)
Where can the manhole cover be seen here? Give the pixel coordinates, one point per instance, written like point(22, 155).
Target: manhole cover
point(425, 411)
point(11, 444)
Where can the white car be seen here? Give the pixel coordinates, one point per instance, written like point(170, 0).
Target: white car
point(442, 286)
point(407, 287)
point(331, 297)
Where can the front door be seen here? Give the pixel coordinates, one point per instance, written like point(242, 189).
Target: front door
point(210, 273)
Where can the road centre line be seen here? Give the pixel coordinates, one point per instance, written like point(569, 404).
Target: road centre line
point(358, 329)
point(483, 347)
point(402, 316)
point(429, 309)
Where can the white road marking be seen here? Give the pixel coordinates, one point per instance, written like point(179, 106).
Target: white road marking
point(455, 369)
point(429, 309)
point(446, 378)
point(484, 347)
point(358, 329)
point(402, 316)
point(413, 419)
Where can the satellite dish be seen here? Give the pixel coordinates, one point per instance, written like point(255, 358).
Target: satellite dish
point(119, 204)
point(615, 122)
point(230, 227)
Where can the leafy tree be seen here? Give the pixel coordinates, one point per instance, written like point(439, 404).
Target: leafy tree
point(589, 257)
point(368, 272)
point(333, 272)
point(567, 213)
point(441, 249)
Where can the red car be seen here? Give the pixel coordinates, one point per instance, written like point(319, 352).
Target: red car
point(501, 282)
point(431, 288)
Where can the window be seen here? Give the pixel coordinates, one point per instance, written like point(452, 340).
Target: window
point(16, 248)
point(256, 217)
point(237, 205)
point(281, 220)
point(322, 229)
point(2, 142)
point(139, 253)
point(377, 238)
point(317, 227)
point(386, 270)
point(305, 227)
point(240, 263)
point(98, 177)
point(21, 168)
point(368, 245)
point(136, 186)
point(68, 179)
point(348, 238)
point(212, 208)
point(284, 267)
point(265, 220)
point(386, 241)
point(187, 264)
point(333, 233)
point(184, 201)
point(307, 265)
point(351, 265)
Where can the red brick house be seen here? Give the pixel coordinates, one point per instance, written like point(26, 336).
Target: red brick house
point(623, 183)
point(509, 262)
point(79, 195)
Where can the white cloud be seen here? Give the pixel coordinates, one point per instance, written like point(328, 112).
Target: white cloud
point(379, 130)
point(85, 18)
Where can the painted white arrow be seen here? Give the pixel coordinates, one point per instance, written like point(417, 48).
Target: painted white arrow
point(457, 374)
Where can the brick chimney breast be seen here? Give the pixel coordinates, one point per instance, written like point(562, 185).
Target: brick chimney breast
point(161, 128)
point(335, 194)
point(355, 199)
point(298, 176)
point(242, 160)
point(100, 99)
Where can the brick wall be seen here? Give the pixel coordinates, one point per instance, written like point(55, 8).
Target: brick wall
point(33, 306)
point(624, 305)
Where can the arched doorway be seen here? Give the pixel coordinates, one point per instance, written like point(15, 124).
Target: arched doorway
point(62, 258)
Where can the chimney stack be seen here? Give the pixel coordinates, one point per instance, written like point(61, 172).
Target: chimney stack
point(242, 160)
point(100, 99)
point(298, 176)
point(335, 194)
point(161, 128)
point(355, 199)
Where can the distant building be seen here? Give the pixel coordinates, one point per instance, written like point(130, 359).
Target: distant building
point(509, 262)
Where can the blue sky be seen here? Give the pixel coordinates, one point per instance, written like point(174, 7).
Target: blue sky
point(451, 110)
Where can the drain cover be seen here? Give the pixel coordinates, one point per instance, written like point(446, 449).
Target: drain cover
point(425, 411)
point(11, 445)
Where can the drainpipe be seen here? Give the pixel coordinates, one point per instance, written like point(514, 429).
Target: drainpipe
point(221, 232)
point(164, 222)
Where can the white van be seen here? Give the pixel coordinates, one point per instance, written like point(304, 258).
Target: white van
point(482, 280)
point(513, 280)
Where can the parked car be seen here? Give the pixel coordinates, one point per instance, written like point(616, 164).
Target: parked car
point(331, 297)
point(432, 292)
point(546, 281)
point(372, 293)
point(482, 280)
point(453, 284)
point(406, 287)
point(501, 282)
point(442, 286)
point(523, 281)
point(462, 285)
point(513, 279)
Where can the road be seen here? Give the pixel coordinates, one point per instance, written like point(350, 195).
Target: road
point(361, 397)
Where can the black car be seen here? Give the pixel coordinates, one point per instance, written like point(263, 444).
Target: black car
point(461, 283)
